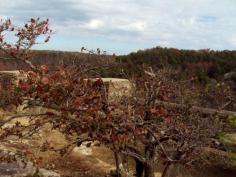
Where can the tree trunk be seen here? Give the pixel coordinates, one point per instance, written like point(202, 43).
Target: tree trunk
point(165, 169)
point(116, 161)
point(117, 164)
point(139, 168)
point(149, 170)
point(149, 151)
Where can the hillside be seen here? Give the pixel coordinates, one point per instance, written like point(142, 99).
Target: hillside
point(54, 58)
point(203, 63)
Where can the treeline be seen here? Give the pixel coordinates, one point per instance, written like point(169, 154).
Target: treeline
point(55, 58)
point(199, 62)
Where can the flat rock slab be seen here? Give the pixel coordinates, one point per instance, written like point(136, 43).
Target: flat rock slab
point(15, 169)
point(20, 167)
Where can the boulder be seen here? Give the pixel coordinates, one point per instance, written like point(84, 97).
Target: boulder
point(117, 88)
point(20, 166)
point(230, 76)
point(12, 76)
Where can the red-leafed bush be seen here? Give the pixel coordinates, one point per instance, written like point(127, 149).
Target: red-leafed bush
point(140, 127)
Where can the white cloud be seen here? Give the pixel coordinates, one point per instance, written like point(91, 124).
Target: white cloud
point(95, 24)
point(173, 23)
point(136, 26)
point(232, 40)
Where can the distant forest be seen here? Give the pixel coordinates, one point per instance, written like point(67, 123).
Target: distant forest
point(201, 63)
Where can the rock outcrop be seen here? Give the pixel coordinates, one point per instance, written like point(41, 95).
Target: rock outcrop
point(230, 76)
point(20, 166)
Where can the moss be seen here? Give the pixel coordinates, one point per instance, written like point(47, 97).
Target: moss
point(227, 138)
point(232, 157)
point(229, 141)
point(232, 120)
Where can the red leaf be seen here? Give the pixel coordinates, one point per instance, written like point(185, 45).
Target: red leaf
point(114, 137)
point(47, 39)
point(98, 83)
point(44, 68)
point(32, 20)
point(24, 85)
point(162, 111)
point(167, 119)
point(77, 101)
point(45, 80)
point(40, 89)
point(8, 46)
point(32, 74)
point(153, 110)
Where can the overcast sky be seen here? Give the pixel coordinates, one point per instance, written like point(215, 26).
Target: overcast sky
point(122, 26)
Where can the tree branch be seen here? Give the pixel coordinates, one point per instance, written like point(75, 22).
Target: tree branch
point(10, 118)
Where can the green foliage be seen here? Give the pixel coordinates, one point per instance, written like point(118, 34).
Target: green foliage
point(232, 157)
point(232, 120)
point(229, 141)
point(203, 63)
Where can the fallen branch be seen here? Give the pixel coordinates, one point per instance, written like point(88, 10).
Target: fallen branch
point(198, 109)
point(10, 118)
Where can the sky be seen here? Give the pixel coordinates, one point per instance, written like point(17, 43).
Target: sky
point(124, 26)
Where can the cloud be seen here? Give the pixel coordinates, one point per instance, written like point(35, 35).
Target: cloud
point(95, 24)
point(140, 24)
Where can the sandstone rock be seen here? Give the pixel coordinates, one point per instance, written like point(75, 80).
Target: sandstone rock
point(230, 76)
point(21, 167)
point(118, 88)
point(14, 75)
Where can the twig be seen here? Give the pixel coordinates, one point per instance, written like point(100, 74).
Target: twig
point(10, 118)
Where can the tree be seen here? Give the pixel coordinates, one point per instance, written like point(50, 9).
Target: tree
point(76, 105)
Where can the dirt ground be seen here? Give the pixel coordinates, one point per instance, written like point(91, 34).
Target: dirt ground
point(81, 162)
point(85, 162)
point(76, 167)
